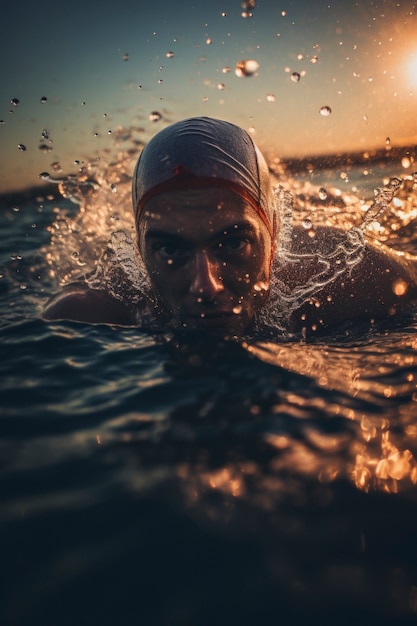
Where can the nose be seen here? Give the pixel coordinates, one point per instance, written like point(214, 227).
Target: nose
point(206, 282)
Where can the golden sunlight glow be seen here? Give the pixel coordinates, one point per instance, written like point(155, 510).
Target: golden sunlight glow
point(412, 69)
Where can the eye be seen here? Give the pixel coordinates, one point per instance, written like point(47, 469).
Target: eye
point(168, 250)
point(234, 244)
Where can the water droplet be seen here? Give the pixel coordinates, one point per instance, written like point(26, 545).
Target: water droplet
point(325, 111)
point(237, 309)
point(220, 86)
point(45, 134)
point(170, 261)
point(126, 56)
point(245, 68)
point(44, 176)
point(322, 193)
point(160, 81)
point(405, 162)
point(314, 59)
point(169, 54)
point(223, 14)
point(155, 116)
point(270, 97)
point(2, 122)
point(44, 148)
point(226, 70)
point(283, 13)
point(400, 287)
point(83, 103)
point(307, 224)
point(44, 99)
point(22, 147)
point(113, 188)
point(295, 77)
point(15, 102)
point(248, 5)
point(56, 166)
point(209, 41)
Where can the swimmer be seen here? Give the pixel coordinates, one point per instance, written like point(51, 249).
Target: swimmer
point(207, 230)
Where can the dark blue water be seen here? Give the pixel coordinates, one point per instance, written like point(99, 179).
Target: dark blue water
point(160, 480)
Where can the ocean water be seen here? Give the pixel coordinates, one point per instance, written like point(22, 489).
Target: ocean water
point(163, 479)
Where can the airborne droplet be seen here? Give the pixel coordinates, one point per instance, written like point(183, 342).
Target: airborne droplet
point(245, 68)
point(22, 147)
point(155, 116)
point(325, 111)
point(44, 99)
point(295, 77)
point(15, 102)
point(322, 193)
point(169, 54)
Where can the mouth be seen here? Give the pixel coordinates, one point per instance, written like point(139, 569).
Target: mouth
point(210, 318)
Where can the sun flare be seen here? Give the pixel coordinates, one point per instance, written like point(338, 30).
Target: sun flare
point(412, 69)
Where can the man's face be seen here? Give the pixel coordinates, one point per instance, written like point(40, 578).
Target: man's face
point(208, 256)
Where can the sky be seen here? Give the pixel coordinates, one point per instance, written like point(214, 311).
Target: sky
point(73, 73)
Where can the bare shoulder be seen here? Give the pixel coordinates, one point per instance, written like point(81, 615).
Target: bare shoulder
point(381, 283)
point(78, 302)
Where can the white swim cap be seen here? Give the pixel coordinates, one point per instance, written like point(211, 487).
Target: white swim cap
point(204, 152)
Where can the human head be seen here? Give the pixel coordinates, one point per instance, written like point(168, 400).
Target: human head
point(204, 162)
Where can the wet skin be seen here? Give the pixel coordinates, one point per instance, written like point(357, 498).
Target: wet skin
point(208, 256)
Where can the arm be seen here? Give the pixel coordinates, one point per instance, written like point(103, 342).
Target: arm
point(80, 303)
point(383, 283)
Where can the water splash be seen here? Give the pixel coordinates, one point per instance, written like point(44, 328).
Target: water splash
point(102, 220)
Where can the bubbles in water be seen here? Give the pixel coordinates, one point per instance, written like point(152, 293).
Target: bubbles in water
point(44, 99)
point(307, 224)
point(15, 102)
point(295, 77)
point(325, 111)
point(169, 54)
point(22, 147)
point(155, 116)
point(245, 68)
point(322, 193)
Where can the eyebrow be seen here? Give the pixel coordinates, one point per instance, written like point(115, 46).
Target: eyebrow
point(236, 228)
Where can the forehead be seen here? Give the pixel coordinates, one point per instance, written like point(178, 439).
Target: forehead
point(209, 209)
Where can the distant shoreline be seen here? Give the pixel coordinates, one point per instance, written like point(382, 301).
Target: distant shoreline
point(374, 157)
point(378, 156)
